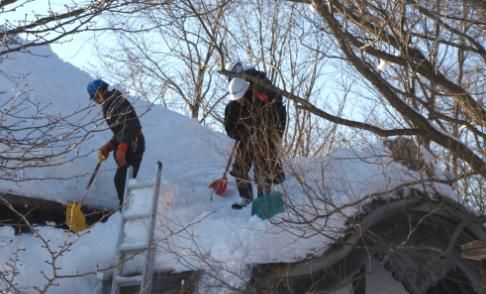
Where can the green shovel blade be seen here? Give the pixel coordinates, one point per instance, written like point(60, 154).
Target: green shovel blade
point(268, 205)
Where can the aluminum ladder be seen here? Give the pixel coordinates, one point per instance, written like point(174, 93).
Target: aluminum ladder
point(134, 264)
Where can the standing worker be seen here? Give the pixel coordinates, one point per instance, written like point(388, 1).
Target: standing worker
point(256, 118)
point(127, 142)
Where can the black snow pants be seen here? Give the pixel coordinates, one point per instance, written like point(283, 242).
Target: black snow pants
point(267, 167)
point(134, 159)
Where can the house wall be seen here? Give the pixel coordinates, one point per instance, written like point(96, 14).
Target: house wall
point(379, 281)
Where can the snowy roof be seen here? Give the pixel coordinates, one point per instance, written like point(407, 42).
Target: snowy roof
point(193, 231)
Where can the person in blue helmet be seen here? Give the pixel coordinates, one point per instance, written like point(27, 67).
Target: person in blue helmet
point(128, 142)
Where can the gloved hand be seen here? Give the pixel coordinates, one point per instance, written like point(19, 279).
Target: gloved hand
point(121, 154)
point(105, 151)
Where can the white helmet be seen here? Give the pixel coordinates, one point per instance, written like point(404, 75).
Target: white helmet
point(237, 88)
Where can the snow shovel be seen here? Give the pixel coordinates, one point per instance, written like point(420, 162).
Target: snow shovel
point(268, 205)
point(219, 186)
point(75, 219)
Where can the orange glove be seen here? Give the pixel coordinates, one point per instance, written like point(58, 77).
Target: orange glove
point(261, 96)
point(121, 154)
point(105, 151)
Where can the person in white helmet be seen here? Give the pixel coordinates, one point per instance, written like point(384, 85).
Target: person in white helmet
point(256, 118)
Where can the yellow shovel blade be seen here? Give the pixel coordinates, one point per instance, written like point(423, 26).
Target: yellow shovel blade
point(75, 219)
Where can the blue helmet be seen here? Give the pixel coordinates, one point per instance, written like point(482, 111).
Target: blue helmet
point(94, 86)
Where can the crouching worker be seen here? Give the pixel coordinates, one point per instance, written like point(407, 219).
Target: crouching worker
point(127, 142)
point(256, 118)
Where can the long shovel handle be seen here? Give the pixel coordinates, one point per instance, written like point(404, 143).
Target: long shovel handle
point(91, 180)
point(93, 176)
point(230, 159)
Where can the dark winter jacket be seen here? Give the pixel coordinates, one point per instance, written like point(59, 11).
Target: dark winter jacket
point(255, 118)
point(238, 121)
point(260, 75)
point(122, 120)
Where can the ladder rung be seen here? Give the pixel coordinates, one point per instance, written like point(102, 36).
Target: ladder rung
point(128, 248)
point(141, 246)
point(128, 281)
point(140, 186)
point(136, 216)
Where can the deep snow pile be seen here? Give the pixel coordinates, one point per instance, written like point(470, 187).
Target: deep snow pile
point(193, 153)
point(192, 231)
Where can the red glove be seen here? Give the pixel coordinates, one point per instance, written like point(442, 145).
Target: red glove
point(121, 154)
point(105, 151)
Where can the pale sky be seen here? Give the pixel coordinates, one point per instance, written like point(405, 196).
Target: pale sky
point(78, 49)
